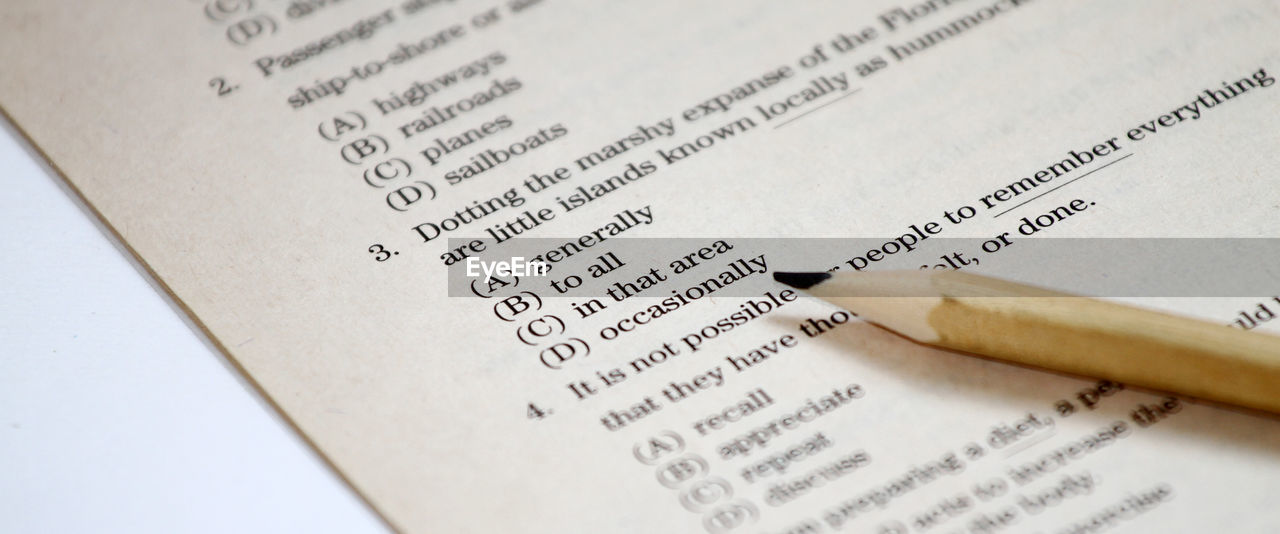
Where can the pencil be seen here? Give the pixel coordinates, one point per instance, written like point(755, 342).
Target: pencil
point(1058, 331)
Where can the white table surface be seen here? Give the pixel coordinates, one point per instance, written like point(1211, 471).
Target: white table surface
point(115, 414)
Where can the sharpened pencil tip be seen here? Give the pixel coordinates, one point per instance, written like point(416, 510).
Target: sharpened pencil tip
point(800, 280)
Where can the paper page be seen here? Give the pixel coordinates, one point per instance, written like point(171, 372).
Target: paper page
point(299, 174)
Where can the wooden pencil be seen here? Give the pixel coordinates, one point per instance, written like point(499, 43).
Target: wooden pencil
point(1034, 326)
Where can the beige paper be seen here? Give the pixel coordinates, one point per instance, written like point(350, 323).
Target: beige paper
point(286, 217)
